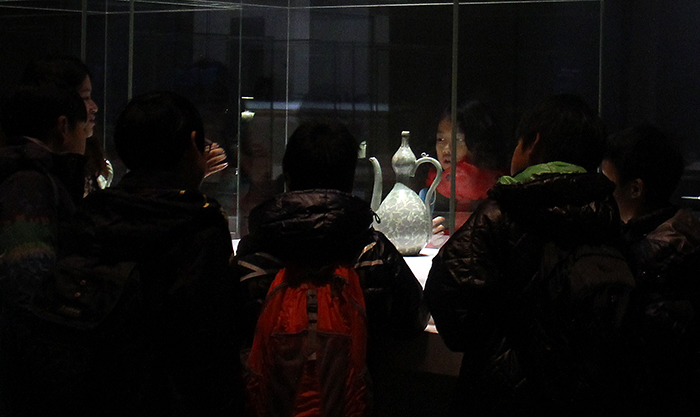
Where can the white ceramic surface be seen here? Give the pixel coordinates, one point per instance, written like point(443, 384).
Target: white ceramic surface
point(405, 220)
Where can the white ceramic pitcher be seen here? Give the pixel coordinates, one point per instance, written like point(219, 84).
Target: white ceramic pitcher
point(404, 218)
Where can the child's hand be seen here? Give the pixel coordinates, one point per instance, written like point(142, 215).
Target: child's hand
point(438, 227)
point(216, 158)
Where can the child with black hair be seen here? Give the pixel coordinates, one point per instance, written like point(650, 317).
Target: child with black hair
point(481, 158)
point(167, 347)
point(479, 287)
point(71, 73)
point(41, 180)
point(663, 245)
point(481, 155)
point(319, 223)
point(646, 168)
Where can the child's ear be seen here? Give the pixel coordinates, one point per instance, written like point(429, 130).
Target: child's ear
point(193, 146)
point(636, 188)
point(193, 140)
point(61, 133)
point(199, 137)
point(534, 151)
point(193, 163)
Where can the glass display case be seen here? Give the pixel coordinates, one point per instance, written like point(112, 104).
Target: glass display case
point(256, 68)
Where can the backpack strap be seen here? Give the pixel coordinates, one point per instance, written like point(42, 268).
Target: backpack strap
point(312, 314)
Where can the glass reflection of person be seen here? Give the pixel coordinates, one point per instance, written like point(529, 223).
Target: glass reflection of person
point(481, 155)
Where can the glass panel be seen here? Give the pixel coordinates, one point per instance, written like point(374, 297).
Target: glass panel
point(24, 7)
point(510, 57)
point(193, 51)
point(362, 64)
point(387, 68)
point(264, 60)
point(256, 68)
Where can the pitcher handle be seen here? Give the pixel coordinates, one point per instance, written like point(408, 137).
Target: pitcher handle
point(430, 195)
point(377, 186)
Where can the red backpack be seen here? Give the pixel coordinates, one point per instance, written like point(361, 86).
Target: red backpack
point(308, 354)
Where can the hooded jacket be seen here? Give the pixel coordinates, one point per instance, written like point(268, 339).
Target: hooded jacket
point(315, 228)
point(475, 286)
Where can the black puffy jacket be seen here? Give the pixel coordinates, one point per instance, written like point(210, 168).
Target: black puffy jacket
point(475, 286)
point(314, 228)
point(167, 346)
point(664, 250)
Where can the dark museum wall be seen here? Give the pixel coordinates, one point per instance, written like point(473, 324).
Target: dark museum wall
point(650, 61)
point(652, 67)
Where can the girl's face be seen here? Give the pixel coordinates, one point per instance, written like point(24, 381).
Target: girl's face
point(443, 145)
point(85, 91)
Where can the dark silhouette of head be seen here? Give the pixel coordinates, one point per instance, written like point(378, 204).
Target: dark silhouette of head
point(320, 154)
point(563, 128)
point(154, 131)
point(34, 110)
point(644, 153)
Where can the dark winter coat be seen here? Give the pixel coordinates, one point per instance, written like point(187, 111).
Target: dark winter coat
point(38, 192)
point(321, 227)
point(169, 345)
point(664, 250)
point(475, 286)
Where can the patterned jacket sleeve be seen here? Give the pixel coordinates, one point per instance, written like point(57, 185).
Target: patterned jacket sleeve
point(28, 232)
point(393, 295)
point(255, 271)
point(465, 290)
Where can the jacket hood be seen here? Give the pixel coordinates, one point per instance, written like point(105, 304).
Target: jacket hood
point(310, 227)
point(145, 210)
point(23, 156)
point(562, 205)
